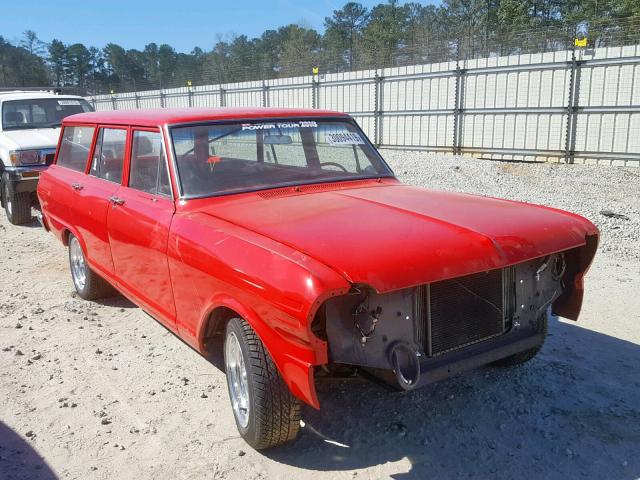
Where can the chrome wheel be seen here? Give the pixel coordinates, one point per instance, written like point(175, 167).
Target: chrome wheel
point(7, 200)
point(237, 379)
point(78, 265)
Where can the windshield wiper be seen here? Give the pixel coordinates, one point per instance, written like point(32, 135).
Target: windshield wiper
point(30, 126)
point(19, 127)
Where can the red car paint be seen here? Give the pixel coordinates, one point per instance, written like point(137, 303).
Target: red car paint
point(274, 256)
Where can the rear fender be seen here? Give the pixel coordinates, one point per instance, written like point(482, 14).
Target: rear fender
point(63, 231)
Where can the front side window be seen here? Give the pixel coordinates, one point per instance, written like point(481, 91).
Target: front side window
point(40, 112)
point(216, 159)
point(108, 156)
point(148, 171)
point(75, 147)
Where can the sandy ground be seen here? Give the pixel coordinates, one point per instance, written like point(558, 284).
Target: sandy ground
point(100, 390)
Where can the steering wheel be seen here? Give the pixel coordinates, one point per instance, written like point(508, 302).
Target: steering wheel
point(334, 164)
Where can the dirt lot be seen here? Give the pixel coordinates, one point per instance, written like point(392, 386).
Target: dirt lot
point(100, 390)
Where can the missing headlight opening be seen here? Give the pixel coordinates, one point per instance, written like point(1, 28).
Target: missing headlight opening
point(406, 335)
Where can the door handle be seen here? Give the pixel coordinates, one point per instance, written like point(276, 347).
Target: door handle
point(116, 201)
point(76, 186)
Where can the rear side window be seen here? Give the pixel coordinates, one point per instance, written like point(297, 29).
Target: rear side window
point(75, 146)
point(108, 156)
point(148, 164)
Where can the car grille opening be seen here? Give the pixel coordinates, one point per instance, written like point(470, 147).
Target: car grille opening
point(455, 313)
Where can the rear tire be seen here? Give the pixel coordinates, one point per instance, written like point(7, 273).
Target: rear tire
point(523, 357)
point(17, 205)
point(266, 412)
point(88, 284)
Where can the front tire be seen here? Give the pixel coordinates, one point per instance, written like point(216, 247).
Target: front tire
point(266, 412)
point(523, 357)
point(17, 205)
point(88, 284)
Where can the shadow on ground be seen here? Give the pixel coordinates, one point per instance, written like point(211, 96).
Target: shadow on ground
point(117, 301)
point(32, 223)
point(18, 459)
point(574, 411)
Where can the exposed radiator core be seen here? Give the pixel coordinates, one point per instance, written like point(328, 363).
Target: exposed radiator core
point(455, 313)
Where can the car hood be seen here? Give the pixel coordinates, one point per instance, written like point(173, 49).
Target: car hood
point(393, 236)
point(31, 139)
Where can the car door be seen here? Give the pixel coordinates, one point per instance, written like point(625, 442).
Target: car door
point(139, 223)
point(95, 196)
point(59, 191)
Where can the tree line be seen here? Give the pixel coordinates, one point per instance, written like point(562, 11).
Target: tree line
point(354, 37)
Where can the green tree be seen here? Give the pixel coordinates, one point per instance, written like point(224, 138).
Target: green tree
point(57, 61)
point(343, 32)
point(301, 51)
point(427, 37)
point(167, 60)
point(31, 43)
point(78, 64)
point(385, 33)
point(20, 68)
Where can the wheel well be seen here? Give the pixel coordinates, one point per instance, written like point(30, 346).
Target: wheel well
point(65, 237)
point(1, 175)
point(216, 323)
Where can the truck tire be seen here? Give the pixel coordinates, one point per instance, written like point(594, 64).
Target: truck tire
point(16, 205)
point(266, 412)
point(87, 283)
point(523, 357)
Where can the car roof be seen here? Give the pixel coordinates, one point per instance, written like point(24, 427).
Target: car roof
point(17, 95)
point(163, 116)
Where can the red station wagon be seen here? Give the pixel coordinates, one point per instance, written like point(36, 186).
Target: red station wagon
point(286, 232)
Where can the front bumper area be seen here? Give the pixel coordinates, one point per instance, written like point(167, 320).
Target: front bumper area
point(440, 368)
point(420, 335)
point(23, 179)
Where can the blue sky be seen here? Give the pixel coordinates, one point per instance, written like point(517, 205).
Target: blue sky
point(182, 24)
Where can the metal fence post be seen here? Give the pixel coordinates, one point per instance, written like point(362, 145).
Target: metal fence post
point(137, 98)
point(114, 102)
point(190, 93)
point(162, 103)
point(458, 109)
point(572, 107)
point(223, 99)
point(315, 92)
point(378, 106)
point(265, 94)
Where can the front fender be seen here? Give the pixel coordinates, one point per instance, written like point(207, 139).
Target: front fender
point(293, 360)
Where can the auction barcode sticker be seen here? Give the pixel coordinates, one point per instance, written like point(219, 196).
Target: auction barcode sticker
point(344, 139)
point(68, 102)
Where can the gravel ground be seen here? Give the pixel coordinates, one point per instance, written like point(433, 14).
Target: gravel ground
point(100, 390)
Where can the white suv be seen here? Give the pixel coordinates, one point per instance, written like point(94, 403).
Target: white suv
point(29, 130)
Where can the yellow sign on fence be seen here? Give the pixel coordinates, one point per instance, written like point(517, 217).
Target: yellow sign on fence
point(581, 42)
point(315, 70)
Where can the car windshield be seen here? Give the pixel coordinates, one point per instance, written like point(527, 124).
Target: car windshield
point(217, 159)
point(40, 112)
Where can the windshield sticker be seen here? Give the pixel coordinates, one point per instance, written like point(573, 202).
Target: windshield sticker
point(258, 126)
point(344, 139)
point(271, 126)
point(68, 102)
